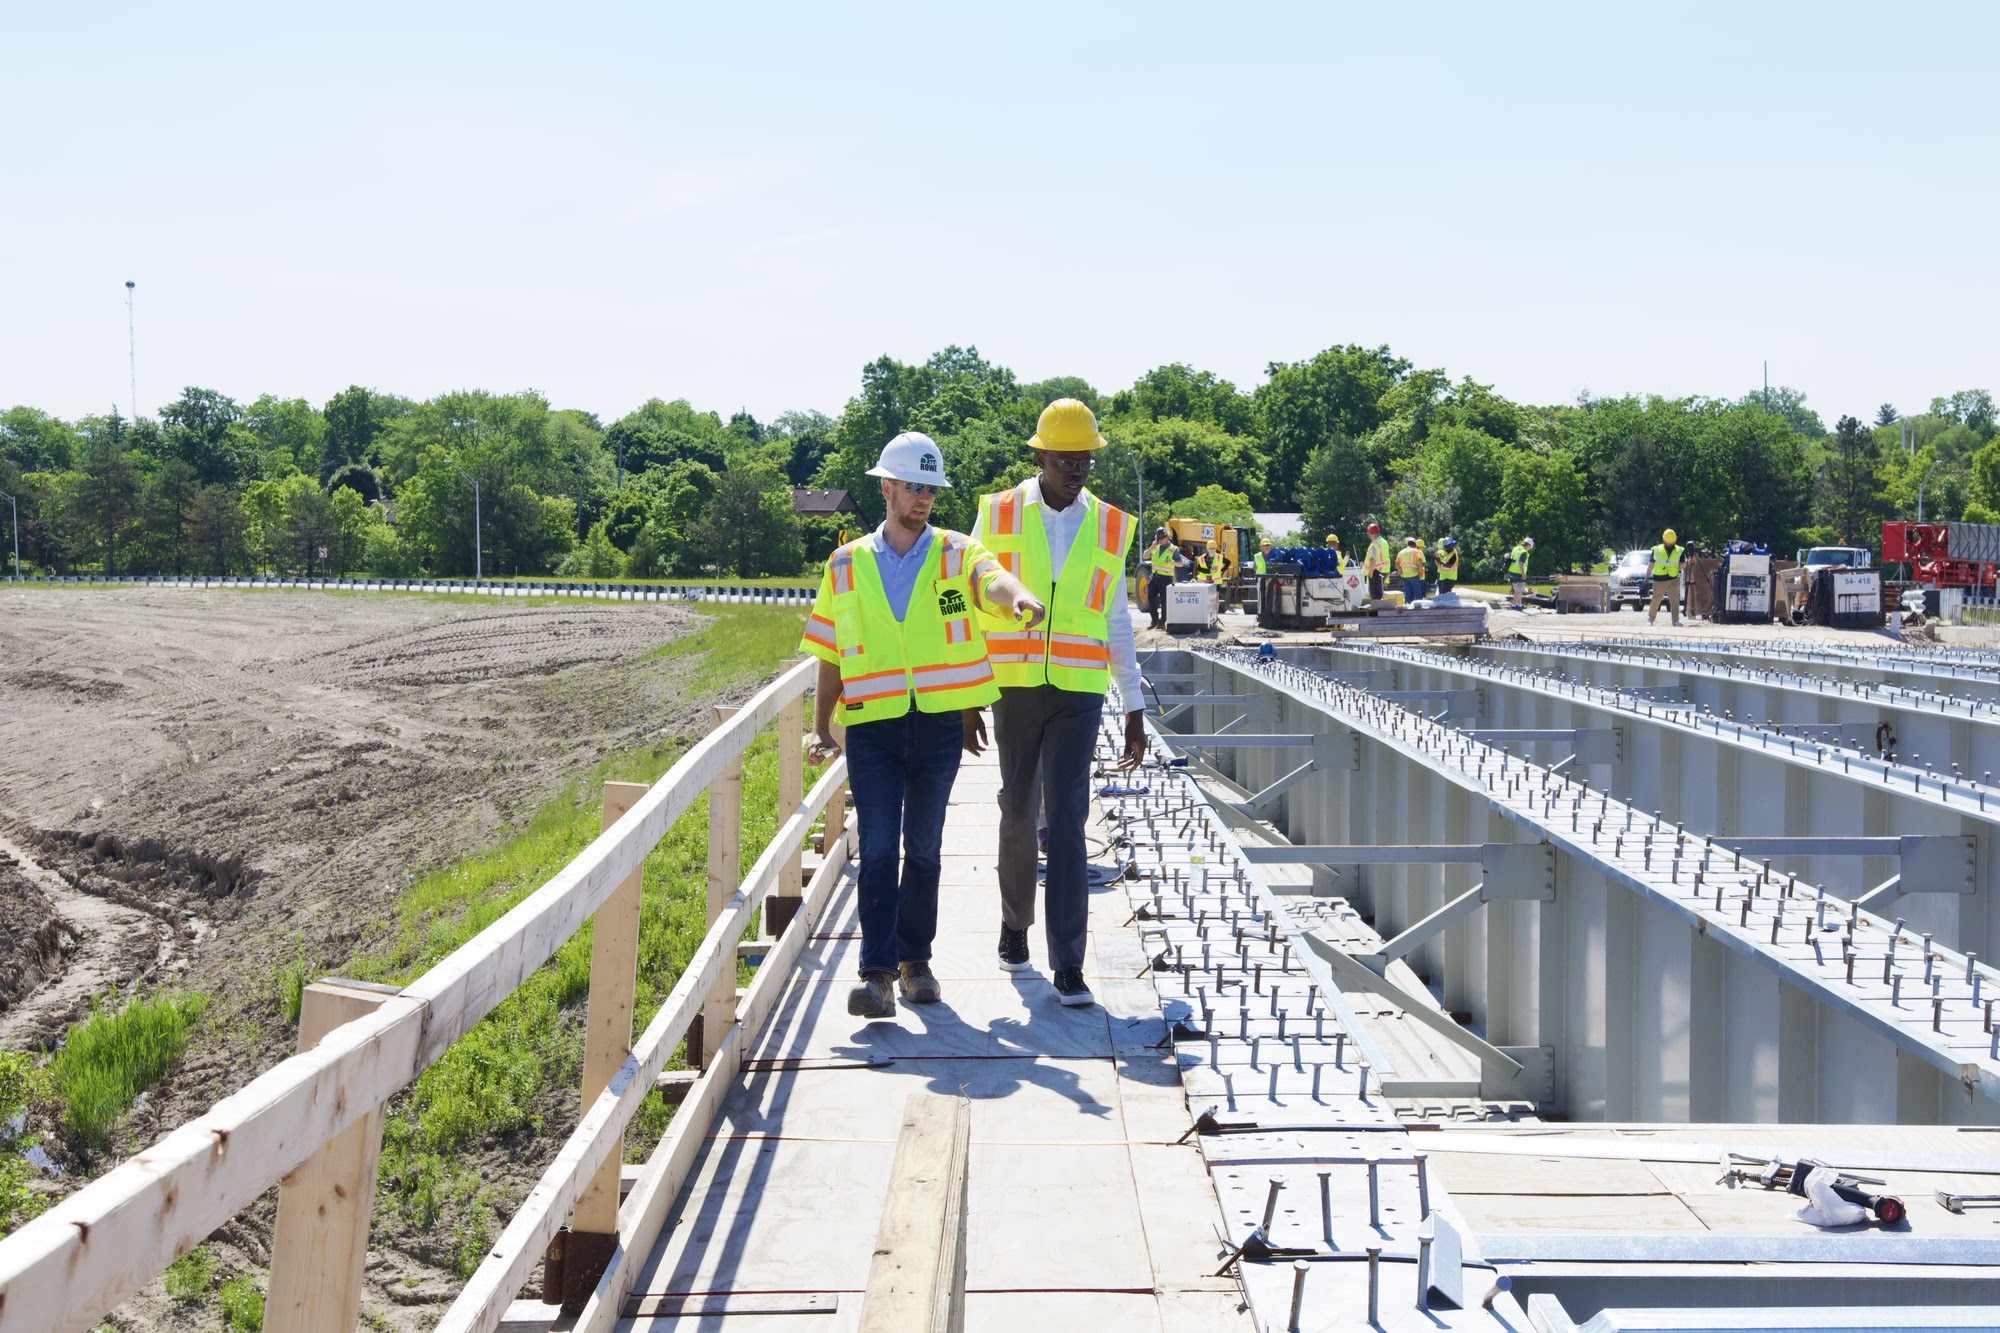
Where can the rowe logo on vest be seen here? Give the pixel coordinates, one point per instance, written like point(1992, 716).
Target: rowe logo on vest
point(927, 463)
point(951, 602)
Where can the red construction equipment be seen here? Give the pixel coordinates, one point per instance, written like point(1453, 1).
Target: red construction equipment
point(1944, 555)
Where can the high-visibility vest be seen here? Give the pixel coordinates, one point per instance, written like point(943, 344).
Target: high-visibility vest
point(1447, 564)
point(936, 654)
point(1161, 557)
point(1376, 560)
point(1260, 563)
point(1212, 567)
point(1072, 648)
point(1410, 563)
point(1667, 562)
point(1517, 562)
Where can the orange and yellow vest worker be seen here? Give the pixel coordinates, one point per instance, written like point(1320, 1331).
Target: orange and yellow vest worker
point(1410, 562)
point(1375, 560)
point(1071, 650)
point(935, 655)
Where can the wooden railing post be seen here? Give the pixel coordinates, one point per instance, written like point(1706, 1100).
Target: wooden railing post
point(614, 968)
point(725, 876)
point(320, 1244)
point(784, 902)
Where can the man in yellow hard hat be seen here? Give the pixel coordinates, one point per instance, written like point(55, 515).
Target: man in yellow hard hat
point(1212, 564)
point(1264, 556)
point(901, 653)
point(1161, 558)
point(1068, 546)
point(1666, 577)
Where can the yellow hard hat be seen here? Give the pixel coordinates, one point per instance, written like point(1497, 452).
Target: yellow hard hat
point(1668, 537)
point(1211, 546)
point(1420, 543)
point(1332, 540)
point(1066, 426)
point(1265, 542)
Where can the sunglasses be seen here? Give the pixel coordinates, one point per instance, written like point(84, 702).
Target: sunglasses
point(919, 488)
point(1074, 466)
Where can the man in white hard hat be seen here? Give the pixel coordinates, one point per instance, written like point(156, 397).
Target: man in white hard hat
point(896, 629)
point(1069, 547)
point(1517, 569)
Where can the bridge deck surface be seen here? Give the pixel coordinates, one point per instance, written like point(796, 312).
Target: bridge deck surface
point(1084, 1213)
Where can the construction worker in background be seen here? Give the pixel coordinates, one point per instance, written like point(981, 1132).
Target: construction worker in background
point(1666, 577)
point(1212, 564)
point(1447, 565)
point(1068, 546)
point(1264, 556)
point(1339, 556)
point(900, 651)
point(1375, 562)
point(1410, 568)
point(1517, 569)
point(1161, 558)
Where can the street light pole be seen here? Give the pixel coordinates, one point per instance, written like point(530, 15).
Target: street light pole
point(478, 569)
point(132, 347)
point(1925, 482)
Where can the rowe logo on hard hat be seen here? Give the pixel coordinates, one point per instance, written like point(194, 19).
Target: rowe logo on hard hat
point(928, 463)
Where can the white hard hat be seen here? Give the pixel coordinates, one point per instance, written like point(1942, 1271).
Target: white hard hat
point(911, 456)
point(1528, 542)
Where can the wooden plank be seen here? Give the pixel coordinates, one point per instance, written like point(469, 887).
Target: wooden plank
point(725, 860)
point(607, 1039)
point(74, 1263)
point(319, 1247)
point(916, 1283)
point(690, 1304)
point(485, 1296)
point(791, 788)
point(667, 1170)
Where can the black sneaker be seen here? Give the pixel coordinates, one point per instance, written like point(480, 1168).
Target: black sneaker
point(1013, 950)
point(875, 997)
point(1070, 989)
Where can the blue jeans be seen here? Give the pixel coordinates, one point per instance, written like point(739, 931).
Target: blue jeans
point(900, 771)
point(1413, 590)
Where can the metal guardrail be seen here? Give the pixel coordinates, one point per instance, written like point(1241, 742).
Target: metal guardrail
point(749, 594)
point(312, 1124)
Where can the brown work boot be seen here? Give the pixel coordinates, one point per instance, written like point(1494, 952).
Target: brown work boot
point(918, 985)
point(875, 997)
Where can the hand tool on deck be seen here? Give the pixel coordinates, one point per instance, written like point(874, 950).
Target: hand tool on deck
point(1955, 1203)
point(1776, 1173)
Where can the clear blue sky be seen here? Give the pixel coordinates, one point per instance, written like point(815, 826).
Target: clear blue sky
point(740, 205)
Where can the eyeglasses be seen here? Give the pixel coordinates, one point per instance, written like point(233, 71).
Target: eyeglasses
point(1076, 466)
point(919, 488)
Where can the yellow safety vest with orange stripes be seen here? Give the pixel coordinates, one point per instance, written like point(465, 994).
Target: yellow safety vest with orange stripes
point(1072, 648)
point(935, 654)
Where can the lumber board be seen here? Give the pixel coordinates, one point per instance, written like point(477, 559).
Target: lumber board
point(614, 975)
point(597, 1138)
point(319, 1245)
point(916, 1283)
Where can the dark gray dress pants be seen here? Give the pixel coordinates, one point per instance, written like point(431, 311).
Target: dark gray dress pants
point(1040, 726)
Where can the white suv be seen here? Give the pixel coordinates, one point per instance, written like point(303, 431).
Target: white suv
point(1631, 580)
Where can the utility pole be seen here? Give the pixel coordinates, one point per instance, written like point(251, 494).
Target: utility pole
point(1925, 482)
point(1767, 386)
point(478, 569)
point(16, 509)
point(132, 346)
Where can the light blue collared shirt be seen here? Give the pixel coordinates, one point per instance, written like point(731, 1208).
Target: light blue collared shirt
point(900, 572)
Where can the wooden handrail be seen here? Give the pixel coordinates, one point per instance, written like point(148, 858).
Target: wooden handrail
point(69, 1267)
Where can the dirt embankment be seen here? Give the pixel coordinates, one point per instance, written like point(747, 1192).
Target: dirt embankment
point(206, 787)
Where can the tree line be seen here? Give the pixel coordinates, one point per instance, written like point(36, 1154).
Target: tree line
point(373, 482)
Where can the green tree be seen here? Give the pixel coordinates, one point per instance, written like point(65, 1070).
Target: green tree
point(1339, 493)
point(166, 514)
point(1305, 405)
point(1181, 455)
point(1542, 496)
point(288, 435)
point(37, 442)
point(750, 530)
point(1850, 484)
point(596, 558)
point(1212, 504)
point(107, 491)
point(353, 419)
point(1182, 391)
point(202, 429)
point(216, 529)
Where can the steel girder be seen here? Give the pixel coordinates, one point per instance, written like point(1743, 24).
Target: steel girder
point(1683, 994)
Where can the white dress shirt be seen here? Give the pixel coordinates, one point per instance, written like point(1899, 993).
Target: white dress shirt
point(1061, 526)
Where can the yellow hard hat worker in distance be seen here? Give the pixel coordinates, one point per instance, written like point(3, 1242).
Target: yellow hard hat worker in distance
point(1669, 537)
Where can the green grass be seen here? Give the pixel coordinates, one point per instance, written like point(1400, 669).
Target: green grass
point(242, 1305)
point(115, 1054)
point(22, 1081)
point(488, 1083)
point(191, 1276)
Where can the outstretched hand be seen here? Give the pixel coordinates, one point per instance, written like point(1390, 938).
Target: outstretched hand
point(1030, 611)
point(1135, 742)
